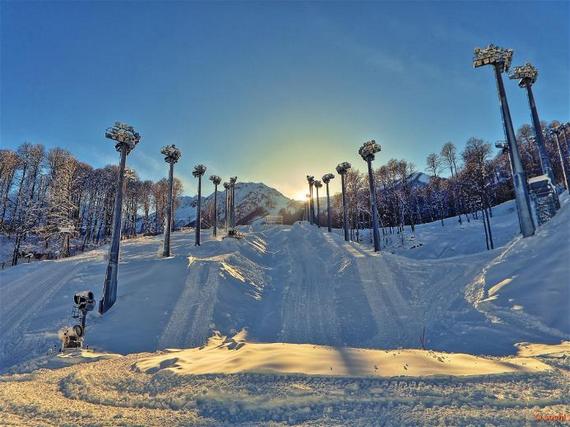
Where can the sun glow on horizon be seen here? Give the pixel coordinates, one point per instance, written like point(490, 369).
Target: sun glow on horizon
point(300, 196)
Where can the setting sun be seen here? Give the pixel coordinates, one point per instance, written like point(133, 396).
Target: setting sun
point(300, 195)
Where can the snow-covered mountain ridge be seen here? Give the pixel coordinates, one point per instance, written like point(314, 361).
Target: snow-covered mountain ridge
point(252, 199)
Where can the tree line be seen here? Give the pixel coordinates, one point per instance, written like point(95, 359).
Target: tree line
point(49, 199)
point(464, 184)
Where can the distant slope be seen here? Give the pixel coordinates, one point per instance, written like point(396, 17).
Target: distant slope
point(253, 200)
point(298, 284)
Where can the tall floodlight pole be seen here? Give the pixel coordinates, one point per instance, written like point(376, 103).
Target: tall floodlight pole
point(126, 140)
point(216, 181)
point(562, 130)
point(326, 179)
point(318, 184)
point(311, 182)
point(198, 171)
point(367, 152)
point(500, 59)
point(171, 156)
point(554, 134)
point(526, 75)
point(342, 169)
point(233, 181)
point(227, 187)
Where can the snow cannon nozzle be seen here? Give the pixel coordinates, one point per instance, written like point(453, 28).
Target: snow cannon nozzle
point(84, 300)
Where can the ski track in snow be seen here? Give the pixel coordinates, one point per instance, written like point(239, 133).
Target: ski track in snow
point(295, 284)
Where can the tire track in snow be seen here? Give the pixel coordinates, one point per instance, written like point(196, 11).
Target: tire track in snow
point(190, 320)
point(24, 306)
point(308, 305)
point(381, 287)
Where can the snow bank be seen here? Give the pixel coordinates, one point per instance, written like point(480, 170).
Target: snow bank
point(527, 286)
point(236, 355)
point(149, 389)
point(301, 285)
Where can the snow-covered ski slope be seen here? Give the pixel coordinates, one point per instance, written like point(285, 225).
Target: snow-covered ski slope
point(300, 284)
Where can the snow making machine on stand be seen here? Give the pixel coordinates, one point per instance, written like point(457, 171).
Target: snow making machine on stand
point(72, 337)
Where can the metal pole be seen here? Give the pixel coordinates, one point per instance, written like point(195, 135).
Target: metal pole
point(318, 209)
point(562, 162)
point(232, 207)
point(539, 139)
point(215, 210)
point(344, 209)
point(519, 177)
point(110, 284)
point(311, 213)
point(168, 225)
point(198, 211)
point(226, 209)
point(328, 210)
point(373, 206)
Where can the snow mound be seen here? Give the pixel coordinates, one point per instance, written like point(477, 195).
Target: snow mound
point(234, 355)
point(526, 286)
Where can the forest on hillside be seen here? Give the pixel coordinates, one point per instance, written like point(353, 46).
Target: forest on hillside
point(53, 205)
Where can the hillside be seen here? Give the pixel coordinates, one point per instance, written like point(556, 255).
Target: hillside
point(298, 284)
point(291, 324)
point(252, 199)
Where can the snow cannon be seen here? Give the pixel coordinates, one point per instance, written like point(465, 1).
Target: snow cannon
point(73, 336)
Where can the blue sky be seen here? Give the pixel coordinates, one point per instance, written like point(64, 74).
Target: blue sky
point(270, 91)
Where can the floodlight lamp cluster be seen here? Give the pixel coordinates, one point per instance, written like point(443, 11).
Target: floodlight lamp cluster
point(199, 170)
point(124, 134)
point(318, 183)
point(526, 73)
point(215, 179)
point(493, 55)
point(327, 177)
point(343, 168)
point(368, 149)
point(171, 153)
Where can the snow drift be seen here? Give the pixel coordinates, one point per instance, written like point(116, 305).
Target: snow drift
point(300, 284)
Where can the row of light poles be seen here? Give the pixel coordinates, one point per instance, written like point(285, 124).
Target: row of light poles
point(367, 152)
point(500, 59)
point(126, 138)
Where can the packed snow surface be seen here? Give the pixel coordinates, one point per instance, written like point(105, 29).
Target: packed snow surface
point(165, 389)
point(236, 355)
point(331, 324)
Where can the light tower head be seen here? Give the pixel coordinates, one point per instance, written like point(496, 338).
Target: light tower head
point(318, 183)
point(327, 177)
point(215, 179)
point(493, 55)
point(526, 74)
point(342, 168)
point(171, 153)
point(124, 135)
point(310, 179)
point(368, 149)
point(199, 170)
